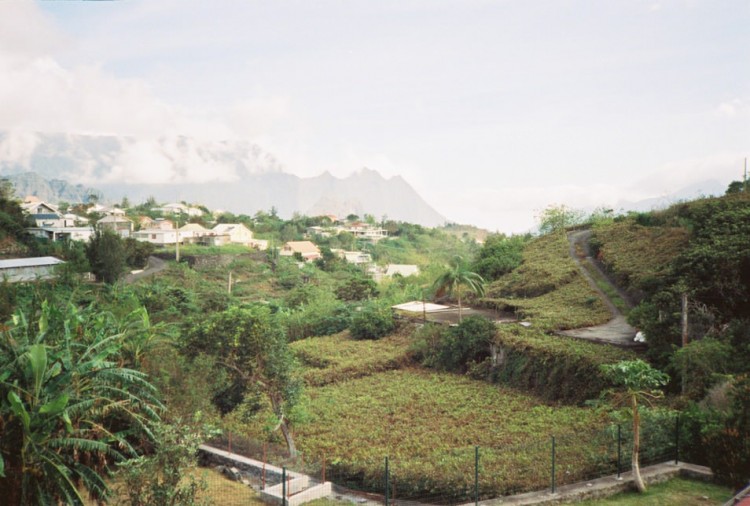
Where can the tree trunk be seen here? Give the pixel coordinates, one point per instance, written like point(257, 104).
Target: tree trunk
point(637, 446)
point(284, 425)
point(459, 304)
point(288, 438)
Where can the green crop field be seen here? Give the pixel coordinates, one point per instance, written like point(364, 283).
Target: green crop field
point(428, 424)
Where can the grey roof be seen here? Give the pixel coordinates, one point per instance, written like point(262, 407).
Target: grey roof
point(29, 262)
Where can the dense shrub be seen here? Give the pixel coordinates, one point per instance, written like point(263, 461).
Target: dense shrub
point(372, 321)
point(460, 347)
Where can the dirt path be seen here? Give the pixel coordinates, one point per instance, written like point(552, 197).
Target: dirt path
point(153, 266)
point(617, 331)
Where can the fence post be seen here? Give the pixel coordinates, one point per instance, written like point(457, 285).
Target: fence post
point(386, 482)
point(619, 451)
point(677, 439)
point(324, 467)
point(553, 464)
point(283, 486)
point(476, 476)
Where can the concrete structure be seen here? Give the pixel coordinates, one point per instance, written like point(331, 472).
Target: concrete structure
point(300, 488)
point(19, 270)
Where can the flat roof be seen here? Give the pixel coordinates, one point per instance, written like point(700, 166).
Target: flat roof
point(29, 262)
point(417, 306)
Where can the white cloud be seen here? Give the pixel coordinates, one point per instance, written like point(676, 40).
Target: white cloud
point(733, 108)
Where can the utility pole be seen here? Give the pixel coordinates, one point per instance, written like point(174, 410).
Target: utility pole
point(229, 284)
point(684, 335)
point(177, 247)
point(744, 178)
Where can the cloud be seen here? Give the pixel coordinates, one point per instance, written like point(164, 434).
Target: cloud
point(160, 141)
point(733, 108)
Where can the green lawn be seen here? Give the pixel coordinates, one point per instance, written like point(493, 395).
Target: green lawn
point(676, 492)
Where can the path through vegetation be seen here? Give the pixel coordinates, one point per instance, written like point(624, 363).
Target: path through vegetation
point(617, 331)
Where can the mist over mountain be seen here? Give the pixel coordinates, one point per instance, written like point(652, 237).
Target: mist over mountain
point(239, 177)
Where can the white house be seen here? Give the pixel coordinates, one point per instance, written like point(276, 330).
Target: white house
point(157, 236)
point(238, 233)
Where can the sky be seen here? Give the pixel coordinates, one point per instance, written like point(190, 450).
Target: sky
point(491, 110)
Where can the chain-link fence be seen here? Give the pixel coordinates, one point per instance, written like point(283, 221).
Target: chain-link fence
point(461, 475)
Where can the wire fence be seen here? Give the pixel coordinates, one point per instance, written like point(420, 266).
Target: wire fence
point(461, 475)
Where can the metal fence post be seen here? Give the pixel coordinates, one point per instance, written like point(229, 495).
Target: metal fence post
point(283, 486)
point(619, 451)
point(553, 464)
point(677, 440)
point(476, 476)
point(387, 484)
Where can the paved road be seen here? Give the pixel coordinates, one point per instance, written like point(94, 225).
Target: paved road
point(616, 331)
point(153, 265)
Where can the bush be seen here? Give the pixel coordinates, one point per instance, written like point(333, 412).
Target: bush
point(372, 321)
point(462, 346)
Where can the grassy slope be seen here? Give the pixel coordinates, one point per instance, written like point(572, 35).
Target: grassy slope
point(634, 253)
point(335, 358)
point(548, 288)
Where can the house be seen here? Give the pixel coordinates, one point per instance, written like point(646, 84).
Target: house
point(194, 230)
point(403, 270)
point(364, 231)
point(174, 208)
point(121, 226)
point(18, 270)
point(157, 236)
point(307, 249)
point(62, 233)
point(354, 257)
point(238, 233)
point(44, 215)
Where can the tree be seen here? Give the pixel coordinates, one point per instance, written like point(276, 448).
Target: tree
point(107, 256)
point(66, 407)
point(558, 217)
point(456, 277)
point(253, 349)
point(639, 382)
point(499, 255)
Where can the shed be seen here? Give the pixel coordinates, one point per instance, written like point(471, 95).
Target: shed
point(18, 270)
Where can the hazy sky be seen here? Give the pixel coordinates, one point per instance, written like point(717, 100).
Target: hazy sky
point(490, 109)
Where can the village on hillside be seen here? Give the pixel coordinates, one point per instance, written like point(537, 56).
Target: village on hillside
point(178, 224)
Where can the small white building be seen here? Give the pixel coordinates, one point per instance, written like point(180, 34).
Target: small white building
point(19, 270)
point(404, 270)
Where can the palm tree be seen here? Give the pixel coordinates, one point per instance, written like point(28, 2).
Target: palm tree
point(457, 276)
point(67, 408)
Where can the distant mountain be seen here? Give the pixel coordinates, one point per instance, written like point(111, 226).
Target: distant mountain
point(54, 190)
point(233, 176)
point(707, 188)
point(363, 192)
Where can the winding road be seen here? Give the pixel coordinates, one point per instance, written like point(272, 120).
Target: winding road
point(153, 265)
point(617, 331)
